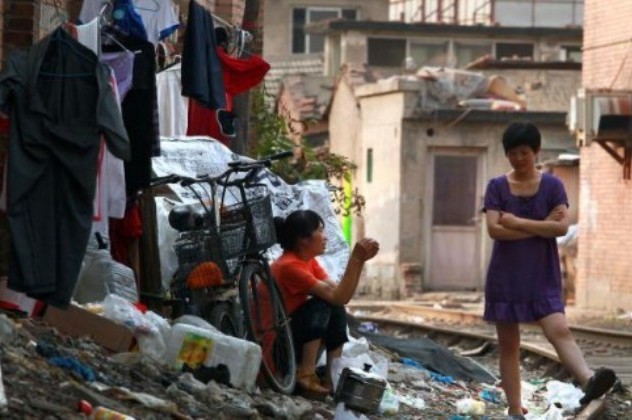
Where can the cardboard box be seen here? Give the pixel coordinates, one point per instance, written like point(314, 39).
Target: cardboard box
point(23, 302)
point(78, 322)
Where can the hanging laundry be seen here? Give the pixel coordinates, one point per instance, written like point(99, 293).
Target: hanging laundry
point(239, 75)
point(60, 103)
point(124, 16)
point(111, 195)
point(201, 66)
point(88, 34)
point(124, 233)
point(204, 122)
point(122, 63)
point(159, 18)
point(139, 111)
point(172, 105)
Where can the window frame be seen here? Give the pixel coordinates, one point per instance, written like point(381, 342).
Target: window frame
point(533, 46)
point(308, 10)
point(394, 38)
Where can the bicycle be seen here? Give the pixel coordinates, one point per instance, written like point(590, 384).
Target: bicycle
point(234, 236)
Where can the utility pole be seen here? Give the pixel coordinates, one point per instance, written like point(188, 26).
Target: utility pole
point(241, 105)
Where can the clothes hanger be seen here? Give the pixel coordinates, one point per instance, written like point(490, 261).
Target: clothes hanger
point(117, 42)
point(57, 37)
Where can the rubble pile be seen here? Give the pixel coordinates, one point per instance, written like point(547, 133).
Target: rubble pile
point(49, 375)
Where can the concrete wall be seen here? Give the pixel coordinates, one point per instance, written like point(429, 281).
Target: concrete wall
point(604, 259)
point(345, 122)
point(397, 197)
point(354, 49)
point(382, 107)
point(277, 20)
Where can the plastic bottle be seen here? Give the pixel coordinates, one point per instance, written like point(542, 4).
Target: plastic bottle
point(198, 346)
point(101, 413)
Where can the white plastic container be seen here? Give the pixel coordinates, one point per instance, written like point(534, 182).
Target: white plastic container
point(195, 346)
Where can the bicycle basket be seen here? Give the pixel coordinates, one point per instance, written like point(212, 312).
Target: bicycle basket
point(256, 216)
point(195, 247)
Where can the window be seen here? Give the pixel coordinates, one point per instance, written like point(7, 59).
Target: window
point(466, 53)
point(386, 52)
point(314, 43)
point(506, 50)
point(429, 54)
point(572, 53)
point(369, 165)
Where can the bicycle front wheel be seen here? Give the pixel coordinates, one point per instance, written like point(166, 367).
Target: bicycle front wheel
point(268, 325)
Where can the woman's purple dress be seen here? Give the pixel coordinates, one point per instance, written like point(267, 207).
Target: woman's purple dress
point(524, 282)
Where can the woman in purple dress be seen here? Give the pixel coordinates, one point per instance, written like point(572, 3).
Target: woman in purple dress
point(526, 210)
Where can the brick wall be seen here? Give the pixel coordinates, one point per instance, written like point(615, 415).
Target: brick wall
point(19, 29)
point(604, 256)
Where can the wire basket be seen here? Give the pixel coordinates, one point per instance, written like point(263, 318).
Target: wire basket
point(258, 223)
point(206, 245)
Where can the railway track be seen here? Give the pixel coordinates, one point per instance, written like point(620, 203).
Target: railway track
point(601, 347)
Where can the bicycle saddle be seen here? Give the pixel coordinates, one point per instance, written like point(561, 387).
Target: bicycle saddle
point(188, 217)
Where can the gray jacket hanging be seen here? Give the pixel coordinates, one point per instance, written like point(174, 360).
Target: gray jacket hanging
point(60, 102)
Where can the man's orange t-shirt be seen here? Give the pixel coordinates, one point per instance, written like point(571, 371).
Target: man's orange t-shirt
point(295, 278)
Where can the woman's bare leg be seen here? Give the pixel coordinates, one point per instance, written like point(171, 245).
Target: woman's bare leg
point(308, 356)
point(555, 328)
point(509, 345)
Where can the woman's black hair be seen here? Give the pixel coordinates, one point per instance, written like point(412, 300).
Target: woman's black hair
point(522, 133)
point(299, 224)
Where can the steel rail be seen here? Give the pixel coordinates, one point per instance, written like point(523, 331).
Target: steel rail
point(592, 411)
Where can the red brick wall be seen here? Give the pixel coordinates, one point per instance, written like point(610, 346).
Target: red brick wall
point(19, 29)
point(605, 255)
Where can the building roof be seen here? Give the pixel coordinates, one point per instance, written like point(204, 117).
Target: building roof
point(435, 29)
point(308, 64)
point(310, 94)
point(541, 89)
point(478, 115)
point(488, 63)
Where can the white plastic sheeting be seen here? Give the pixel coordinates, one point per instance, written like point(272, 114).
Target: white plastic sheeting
point(193, 156)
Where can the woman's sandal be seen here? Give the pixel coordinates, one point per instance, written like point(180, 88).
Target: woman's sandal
point(599, 384)
point(309, 386)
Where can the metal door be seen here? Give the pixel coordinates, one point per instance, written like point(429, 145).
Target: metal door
point(454, 251)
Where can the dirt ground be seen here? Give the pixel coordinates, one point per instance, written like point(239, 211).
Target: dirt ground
point(36, 389)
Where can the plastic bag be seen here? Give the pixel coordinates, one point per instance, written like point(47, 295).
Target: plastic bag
point(470, 406)
point(389, 406)
point(565, 394)
point(100, 275)
point(150, 340)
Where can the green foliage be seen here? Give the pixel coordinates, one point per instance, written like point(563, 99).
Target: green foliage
point(271, 135)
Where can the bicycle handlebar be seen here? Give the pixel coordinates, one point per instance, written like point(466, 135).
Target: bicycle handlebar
point(266, 161)
point(234, 167)
point(163, 180)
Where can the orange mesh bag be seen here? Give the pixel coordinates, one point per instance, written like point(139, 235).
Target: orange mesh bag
point(207, 274)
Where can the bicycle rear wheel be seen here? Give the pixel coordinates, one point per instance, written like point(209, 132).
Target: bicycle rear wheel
point(221, 317)
point(268, 325)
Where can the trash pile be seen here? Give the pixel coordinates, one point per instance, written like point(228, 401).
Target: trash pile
point(185, 368)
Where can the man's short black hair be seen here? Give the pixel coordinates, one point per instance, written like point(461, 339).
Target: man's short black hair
point(522, 133)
